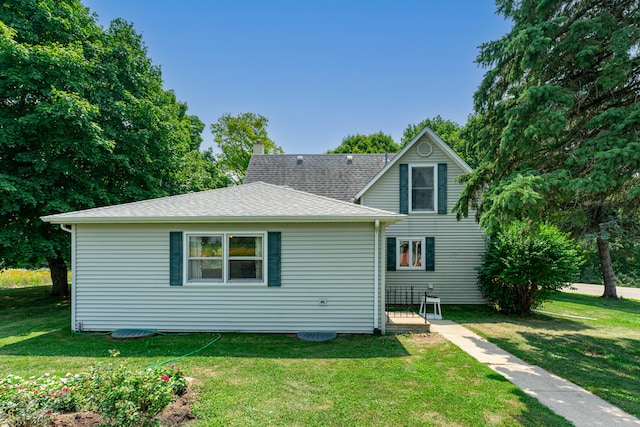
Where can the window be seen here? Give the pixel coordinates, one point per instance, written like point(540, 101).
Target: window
point(410, 253)
point(225, 258)
point(205, 257)
point(245, 257)
point(423, 188)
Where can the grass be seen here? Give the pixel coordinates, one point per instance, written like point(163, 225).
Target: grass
point(601, 355)
point(20, 278)
point(263, 379)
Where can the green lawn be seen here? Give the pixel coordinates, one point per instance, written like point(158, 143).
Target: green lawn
point(601, 355)
point(253, 379)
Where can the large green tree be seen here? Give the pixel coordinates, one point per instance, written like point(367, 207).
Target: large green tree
point(360, 144)
point(84, 122)
point(558, 120)
point(235, 137)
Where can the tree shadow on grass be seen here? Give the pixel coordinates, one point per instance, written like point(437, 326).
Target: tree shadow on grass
point(61, 343)
point(591, 301)
point(480, 314)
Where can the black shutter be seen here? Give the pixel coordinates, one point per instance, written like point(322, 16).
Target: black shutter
point(404, 189)
point(430, 253)
point(175, 258)
point(274, 244)
point(442, 188)
point(391, 254)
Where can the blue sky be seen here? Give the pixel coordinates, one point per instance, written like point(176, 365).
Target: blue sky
point(319, 70)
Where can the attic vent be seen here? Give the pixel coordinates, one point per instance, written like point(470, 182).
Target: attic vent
point(349, 159)
point(299, 160)
point(425, 149)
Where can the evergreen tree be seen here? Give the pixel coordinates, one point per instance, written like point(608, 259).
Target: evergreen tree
point(558, 125)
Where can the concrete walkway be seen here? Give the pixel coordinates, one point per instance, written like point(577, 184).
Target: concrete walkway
point(583, 288)
point(576, 404)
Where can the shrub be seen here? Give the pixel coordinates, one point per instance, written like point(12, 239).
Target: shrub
point(129, 398)
point(524, 264)
point(30, 402)
point(122, 396)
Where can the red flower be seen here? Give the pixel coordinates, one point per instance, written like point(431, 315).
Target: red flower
point(165, 378)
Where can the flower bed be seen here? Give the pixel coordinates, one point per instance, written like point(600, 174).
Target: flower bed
point(119, 395)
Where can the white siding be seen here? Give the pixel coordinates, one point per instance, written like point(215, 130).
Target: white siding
point(122, 281)
point(458, 244)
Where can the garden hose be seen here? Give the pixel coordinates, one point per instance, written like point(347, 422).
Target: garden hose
point(217, 337)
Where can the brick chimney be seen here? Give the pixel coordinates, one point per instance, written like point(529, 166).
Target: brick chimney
point(258, 147)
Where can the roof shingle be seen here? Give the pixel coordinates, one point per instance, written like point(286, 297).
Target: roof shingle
point(244, 203)
point(329, 175)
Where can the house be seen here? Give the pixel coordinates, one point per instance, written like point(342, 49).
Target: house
point(428, 251)
point(307, 243)
point(255, 258)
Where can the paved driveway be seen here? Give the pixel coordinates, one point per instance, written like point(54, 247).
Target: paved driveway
point(582, 288)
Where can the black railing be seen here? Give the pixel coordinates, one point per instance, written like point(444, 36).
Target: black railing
point(402, 298)
point(405, 298)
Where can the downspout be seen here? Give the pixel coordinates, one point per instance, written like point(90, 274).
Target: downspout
point(71, 230)
point(376, 275)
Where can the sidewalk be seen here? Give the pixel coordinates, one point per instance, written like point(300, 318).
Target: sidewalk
point(579, 406)
point(583, 288)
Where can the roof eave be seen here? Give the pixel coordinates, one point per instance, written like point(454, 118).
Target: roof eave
point(388, 219)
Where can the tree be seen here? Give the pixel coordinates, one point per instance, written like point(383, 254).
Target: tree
point(558, 120)
point(84, 122)
point(450, 132)
point(361, 144)
point(525, 263)
point(235, 137)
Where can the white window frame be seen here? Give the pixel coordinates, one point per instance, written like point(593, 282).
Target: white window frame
point(434, 167)
point(411, 261)
point(226, 280)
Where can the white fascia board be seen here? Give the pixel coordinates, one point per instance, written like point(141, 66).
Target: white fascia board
point(387, 219)
point(436, 139)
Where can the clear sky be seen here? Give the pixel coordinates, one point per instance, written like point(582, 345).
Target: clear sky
point(319, 70)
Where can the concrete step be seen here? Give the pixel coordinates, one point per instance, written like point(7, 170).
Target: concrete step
point(404, 322)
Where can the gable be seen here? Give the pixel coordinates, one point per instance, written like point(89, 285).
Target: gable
point(426, 148)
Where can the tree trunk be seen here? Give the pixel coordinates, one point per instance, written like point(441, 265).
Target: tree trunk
point(607, 270)
point(58, 269)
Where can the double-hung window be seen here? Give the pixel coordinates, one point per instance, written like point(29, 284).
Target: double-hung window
point(225, 257)
point(245, 258)
point(410, 253)
point(205, 258)
point(423, 188)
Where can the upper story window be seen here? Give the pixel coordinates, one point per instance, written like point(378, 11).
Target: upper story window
point(225, 258)
point(423, 188)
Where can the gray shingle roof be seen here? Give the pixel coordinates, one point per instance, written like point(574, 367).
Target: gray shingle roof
point(256, 202)
point(329, 175)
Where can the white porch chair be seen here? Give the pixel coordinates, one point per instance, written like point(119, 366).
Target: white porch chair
point(427, 301)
